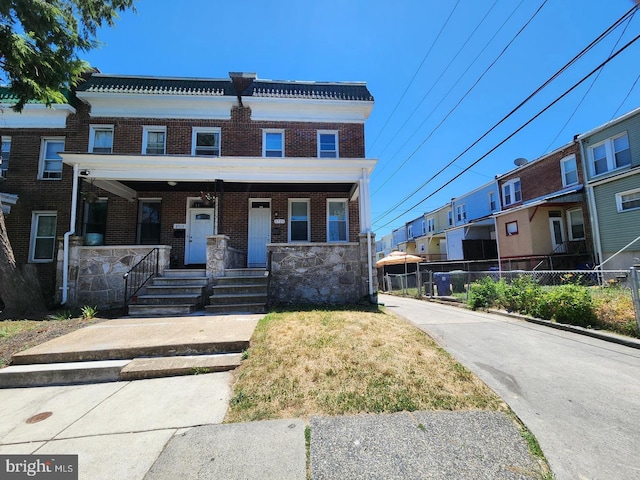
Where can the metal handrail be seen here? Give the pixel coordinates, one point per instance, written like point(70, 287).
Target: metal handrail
point(269, 259)
point(140, 274)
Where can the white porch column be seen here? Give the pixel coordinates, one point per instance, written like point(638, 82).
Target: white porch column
point(365, 202)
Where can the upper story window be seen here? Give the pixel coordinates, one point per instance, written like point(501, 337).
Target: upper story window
point(493, 205)
point(4, 156)
point(431, 225)
point(101, 138)
point(337, 225)
point(327, 144)
point(569, 171)
point(461, 213)
point(450, 218)
point(610, 154)
point(154, 140)
point(628, 200)
point(273, 143)
point(511, 192)
point(43, 236)
point(50, 160)
point(206, 141)
point(410, 232)
point(424, 227)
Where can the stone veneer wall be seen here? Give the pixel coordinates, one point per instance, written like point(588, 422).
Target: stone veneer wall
point(319, 273)
point(96, 272)
point(221, 256)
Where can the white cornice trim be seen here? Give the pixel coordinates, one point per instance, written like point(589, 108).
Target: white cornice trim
point(229, 169)
point(123, 105)
point(308, 110)
point(35, 116)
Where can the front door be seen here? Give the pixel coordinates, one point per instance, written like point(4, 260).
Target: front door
point(201, 225)
point(557, 234)
point(259, 232)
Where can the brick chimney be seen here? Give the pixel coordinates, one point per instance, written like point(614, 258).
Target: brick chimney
point(241, 81)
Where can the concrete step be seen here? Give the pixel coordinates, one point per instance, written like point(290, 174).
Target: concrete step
point(179, 281)
point(169, 299)
point(241, 280)
point(242, 272)
point(141, 368)
point(138, 310)
point(236, 308)
point(252, 288)
point(36, 375)
point(174, 289)
point(185, 272)
point(238, 298)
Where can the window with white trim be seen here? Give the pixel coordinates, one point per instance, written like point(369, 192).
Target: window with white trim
point(450, 217)
point(149, 216)
point(424, 227)
point(205, 141)
point(569, 169)
point(4, 156)
point(431, 225)
point(273, 143)
point(337, 220)
point(101, 139)
point(610, 154)
point(461, 213)
point(511, 192)
point(575, 219)
point(629, 200)
point(327, 144)
point(43, 236)
point(50, 160)
point(299, 228)
point(154, 140)
point(410, 232)
point(493, 206)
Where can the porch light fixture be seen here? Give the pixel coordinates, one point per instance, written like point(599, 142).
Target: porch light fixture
point(84, 173)
point(171, 183)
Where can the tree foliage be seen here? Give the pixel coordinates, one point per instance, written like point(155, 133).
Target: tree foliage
point(40, 42)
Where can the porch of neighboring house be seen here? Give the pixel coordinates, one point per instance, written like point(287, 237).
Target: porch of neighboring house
point(176, 244)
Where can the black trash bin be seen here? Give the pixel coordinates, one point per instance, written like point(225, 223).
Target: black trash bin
point(443, 284)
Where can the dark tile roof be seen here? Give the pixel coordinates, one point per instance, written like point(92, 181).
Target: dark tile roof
point(7, 96)
point(224, 87)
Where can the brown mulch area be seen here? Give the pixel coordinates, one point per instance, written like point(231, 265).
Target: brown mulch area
point(37, 332)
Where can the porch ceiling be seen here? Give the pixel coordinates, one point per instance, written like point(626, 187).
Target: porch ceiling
point(162, 186)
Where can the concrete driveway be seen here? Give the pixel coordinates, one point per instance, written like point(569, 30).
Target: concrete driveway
point(580, 396)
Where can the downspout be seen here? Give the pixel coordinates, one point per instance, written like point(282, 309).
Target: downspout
point(72, 230)
point(495, 227)
point(366, 218)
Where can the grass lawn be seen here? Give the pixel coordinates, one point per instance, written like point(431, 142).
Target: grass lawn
point(334, 362)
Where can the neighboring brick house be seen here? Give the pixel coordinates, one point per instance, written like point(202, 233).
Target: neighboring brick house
point(544, 219)
point(237, 172)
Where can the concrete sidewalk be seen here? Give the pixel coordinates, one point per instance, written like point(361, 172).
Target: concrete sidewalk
point(170, 428)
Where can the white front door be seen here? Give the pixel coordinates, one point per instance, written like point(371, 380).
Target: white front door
point(259, 232)
point(557, 234)
point(201, 225)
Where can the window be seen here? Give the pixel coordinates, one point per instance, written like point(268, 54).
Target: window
point(101, 139)
point(511, 192)
point(431, 226)
point(149, 222)
point(611, 154)
point(154, 140)
point(299, 220)
point(337, 226)
point(273, 143)
point(450, 218)
point(95, 217)
point(43, 237)
point(206, 141)
point(569, 171)
point(424, 227)
point(4, 156)
point(461, 213)
point(492, 201)
point(628, 200)
point(50, 161)
point(410, 232)
point(327, 144)
point(512, 228)
point(576, 224)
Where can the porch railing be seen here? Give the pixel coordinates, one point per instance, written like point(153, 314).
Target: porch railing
point(140, 274)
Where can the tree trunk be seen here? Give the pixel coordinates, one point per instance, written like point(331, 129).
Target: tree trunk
point(19, 292)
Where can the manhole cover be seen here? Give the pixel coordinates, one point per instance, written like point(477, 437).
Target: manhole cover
point(38, 417)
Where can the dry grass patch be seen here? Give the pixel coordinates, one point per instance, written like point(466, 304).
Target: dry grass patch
point(614, 309)
point(335, 362)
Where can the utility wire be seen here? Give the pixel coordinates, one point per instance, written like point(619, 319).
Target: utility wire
point(575, 85)
point(504, 50)
point(415, 74)
point(535, 92)
point(626, 97)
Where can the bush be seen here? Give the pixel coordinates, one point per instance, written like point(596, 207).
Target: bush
point(522, 295)
point(485, 292)
point(570, 304)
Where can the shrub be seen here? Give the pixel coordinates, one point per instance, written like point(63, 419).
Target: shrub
point(570, 304)
point(484, 292)
point(522, 295)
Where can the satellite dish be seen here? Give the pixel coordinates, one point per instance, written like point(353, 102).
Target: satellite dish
point(520, 161)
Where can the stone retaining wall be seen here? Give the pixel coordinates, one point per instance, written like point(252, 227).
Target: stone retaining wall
point(221, 256)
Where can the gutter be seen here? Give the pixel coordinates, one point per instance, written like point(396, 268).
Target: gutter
point(72, 231)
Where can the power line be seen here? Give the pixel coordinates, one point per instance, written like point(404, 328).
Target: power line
point(626, 97)
point(415, 74)
point(575, 85)
point(535, 92)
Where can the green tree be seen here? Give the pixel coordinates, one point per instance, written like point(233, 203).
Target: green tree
point(40, 44)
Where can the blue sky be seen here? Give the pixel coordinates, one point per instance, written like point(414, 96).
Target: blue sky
point(419, 59)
